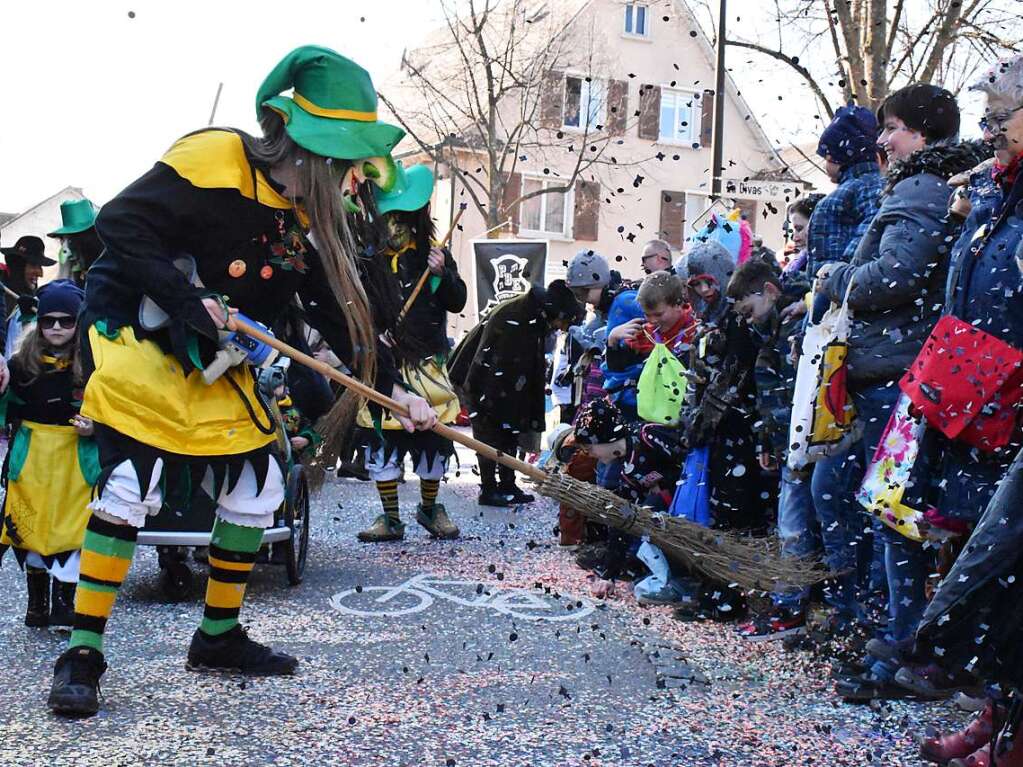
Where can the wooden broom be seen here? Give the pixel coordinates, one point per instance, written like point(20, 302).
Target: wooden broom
point(753, 564)
point(426, 272)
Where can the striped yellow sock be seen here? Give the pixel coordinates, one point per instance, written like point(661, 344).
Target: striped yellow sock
point(106, 556)
point(232, 555)
point(428, 489)
point(388, 490)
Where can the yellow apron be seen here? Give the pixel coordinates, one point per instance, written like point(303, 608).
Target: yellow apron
point(430, 382)
point(141, 392)
point(47, 490)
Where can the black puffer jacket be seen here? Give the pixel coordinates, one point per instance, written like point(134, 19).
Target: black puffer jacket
point(899, 269)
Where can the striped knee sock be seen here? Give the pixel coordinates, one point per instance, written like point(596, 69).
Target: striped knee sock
point(106, 556)
point(232, 554)
point(428, 489)
point(389, 498)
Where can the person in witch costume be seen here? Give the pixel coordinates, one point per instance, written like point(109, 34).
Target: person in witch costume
point(52, 463)
point(25, 262)
point(411, 251)
point(79, 241)
point(262, 219)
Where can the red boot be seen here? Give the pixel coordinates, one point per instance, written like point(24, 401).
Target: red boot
point(945, 747)
point(1007, 754)
point(981, 758)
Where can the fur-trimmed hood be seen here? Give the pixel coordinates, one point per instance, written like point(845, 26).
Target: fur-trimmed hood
point(941, 160)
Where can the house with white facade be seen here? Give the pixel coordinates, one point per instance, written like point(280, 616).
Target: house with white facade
point(651, 101)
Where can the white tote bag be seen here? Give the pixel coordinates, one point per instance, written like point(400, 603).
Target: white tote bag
point(833, 328)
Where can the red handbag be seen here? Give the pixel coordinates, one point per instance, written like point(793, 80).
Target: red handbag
point(967, 384)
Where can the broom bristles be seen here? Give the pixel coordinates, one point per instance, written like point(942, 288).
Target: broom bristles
point(753, 564)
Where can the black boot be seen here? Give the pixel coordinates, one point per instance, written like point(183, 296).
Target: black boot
point(38, 613)
point(234, 652)
point(75, 690)
point(62, 605)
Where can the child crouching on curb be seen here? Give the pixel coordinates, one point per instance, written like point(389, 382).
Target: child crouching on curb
point(762, 298)
point(52, 462)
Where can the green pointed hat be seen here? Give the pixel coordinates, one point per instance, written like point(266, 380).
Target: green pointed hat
point(76, 216)
point(412, 189)
point(333, 109)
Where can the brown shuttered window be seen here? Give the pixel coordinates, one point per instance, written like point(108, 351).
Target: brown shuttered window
point(552, 97)
point(707, 119)
point(673, 218)
point(649, 112)
point(617, 107)
point(587, 210)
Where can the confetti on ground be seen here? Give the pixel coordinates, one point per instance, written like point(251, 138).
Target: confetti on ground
point(448, 684)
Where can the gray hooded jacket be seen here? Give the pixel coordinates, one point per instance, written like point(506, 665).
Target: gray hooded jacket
point(898, 271)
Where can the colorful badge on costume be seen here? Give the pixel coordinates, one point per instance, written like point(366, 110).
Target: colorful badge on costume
point(236, 268)
point(290, 251)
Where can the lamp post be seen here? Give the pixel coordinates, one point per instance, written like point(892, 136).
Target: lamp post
point(717, 140)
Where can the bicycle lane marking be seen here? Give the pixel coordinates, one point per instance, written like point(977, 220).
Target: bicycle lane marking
point(516, 603)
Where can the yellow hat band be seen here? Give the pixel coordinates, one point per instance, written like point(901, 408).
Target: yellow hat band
point(337, 114)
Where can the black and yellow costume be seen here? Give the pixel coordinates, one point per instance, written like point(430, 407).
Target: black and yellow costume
point(426, 324)
point(205, 198)
point(49, 470)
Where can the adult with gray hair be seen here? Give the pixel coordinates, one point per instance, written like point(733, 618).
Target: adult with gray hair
point(656, 257)
point(974, 617)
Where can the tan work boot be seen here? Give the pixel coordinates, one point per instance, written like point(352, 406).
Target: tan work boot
point(382, 530)
point(437, 522)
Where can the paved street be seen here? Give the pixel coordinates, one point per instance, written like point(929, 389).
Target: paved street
point(492, 655)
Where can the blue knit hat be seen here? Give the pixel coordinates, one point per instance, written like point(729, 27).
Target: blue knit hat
point(851, 137)
point(60, 296)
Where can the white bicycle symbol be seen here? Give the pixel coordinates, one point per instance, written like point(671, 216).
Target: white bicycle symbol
point(516, 603)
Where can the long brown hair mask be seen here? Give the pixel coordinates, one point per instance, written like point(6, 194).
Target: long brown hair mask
point(337, 244)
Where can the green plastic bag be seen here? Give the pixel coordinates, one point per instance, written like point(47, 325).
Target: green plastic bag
point(662, 387)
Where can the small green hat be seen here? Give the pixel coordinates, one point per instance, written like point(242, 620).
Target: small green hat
point(76, 216)
point(411, 191)
point(333, 109)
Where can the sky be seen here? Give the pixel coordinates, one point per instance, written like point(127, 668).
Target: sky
point(94, 92)
point(93, 96)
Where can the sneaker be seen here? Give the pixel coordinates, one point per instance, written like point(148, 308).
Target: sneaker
point(234, 652)
point(776, 626)
point(518, 496)
point(381, 530)
point(75, 689)
point(867, 687)
point(437, 522)
point(932, 682)
point(496, 498)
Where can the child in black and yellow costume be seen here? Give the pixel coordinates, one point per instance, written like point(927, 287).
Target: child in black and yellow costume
point(262, 219)
point(411, 251)
point(52, 463)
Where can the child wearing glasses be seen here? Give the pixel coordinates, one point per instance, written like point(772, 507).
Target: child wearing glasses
point(52, 462)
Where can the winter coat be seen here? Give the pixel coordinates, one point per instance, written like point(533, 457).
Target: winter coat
point(899, 269)
point(840, 219)
point(427, 318)
point(975, 617)
point(500, 365)
point(985, 289)
point(774, 373)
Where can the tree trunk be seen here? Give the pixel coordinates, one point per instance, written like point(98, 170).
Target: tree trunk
point(875, 45)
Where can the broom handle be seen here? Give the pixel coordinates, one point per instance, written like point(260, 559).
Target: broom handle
point(426, 272)
point(237, 325)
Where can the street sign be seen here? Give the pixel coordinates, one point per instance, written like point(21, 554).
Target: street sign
point(763, 189)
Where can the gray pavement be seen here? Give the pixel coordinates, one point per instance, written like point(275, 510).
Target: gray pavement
point(490, 653)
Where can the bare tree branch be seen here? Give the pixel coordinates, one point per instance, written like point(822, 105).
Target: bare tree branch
point(792, 62)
